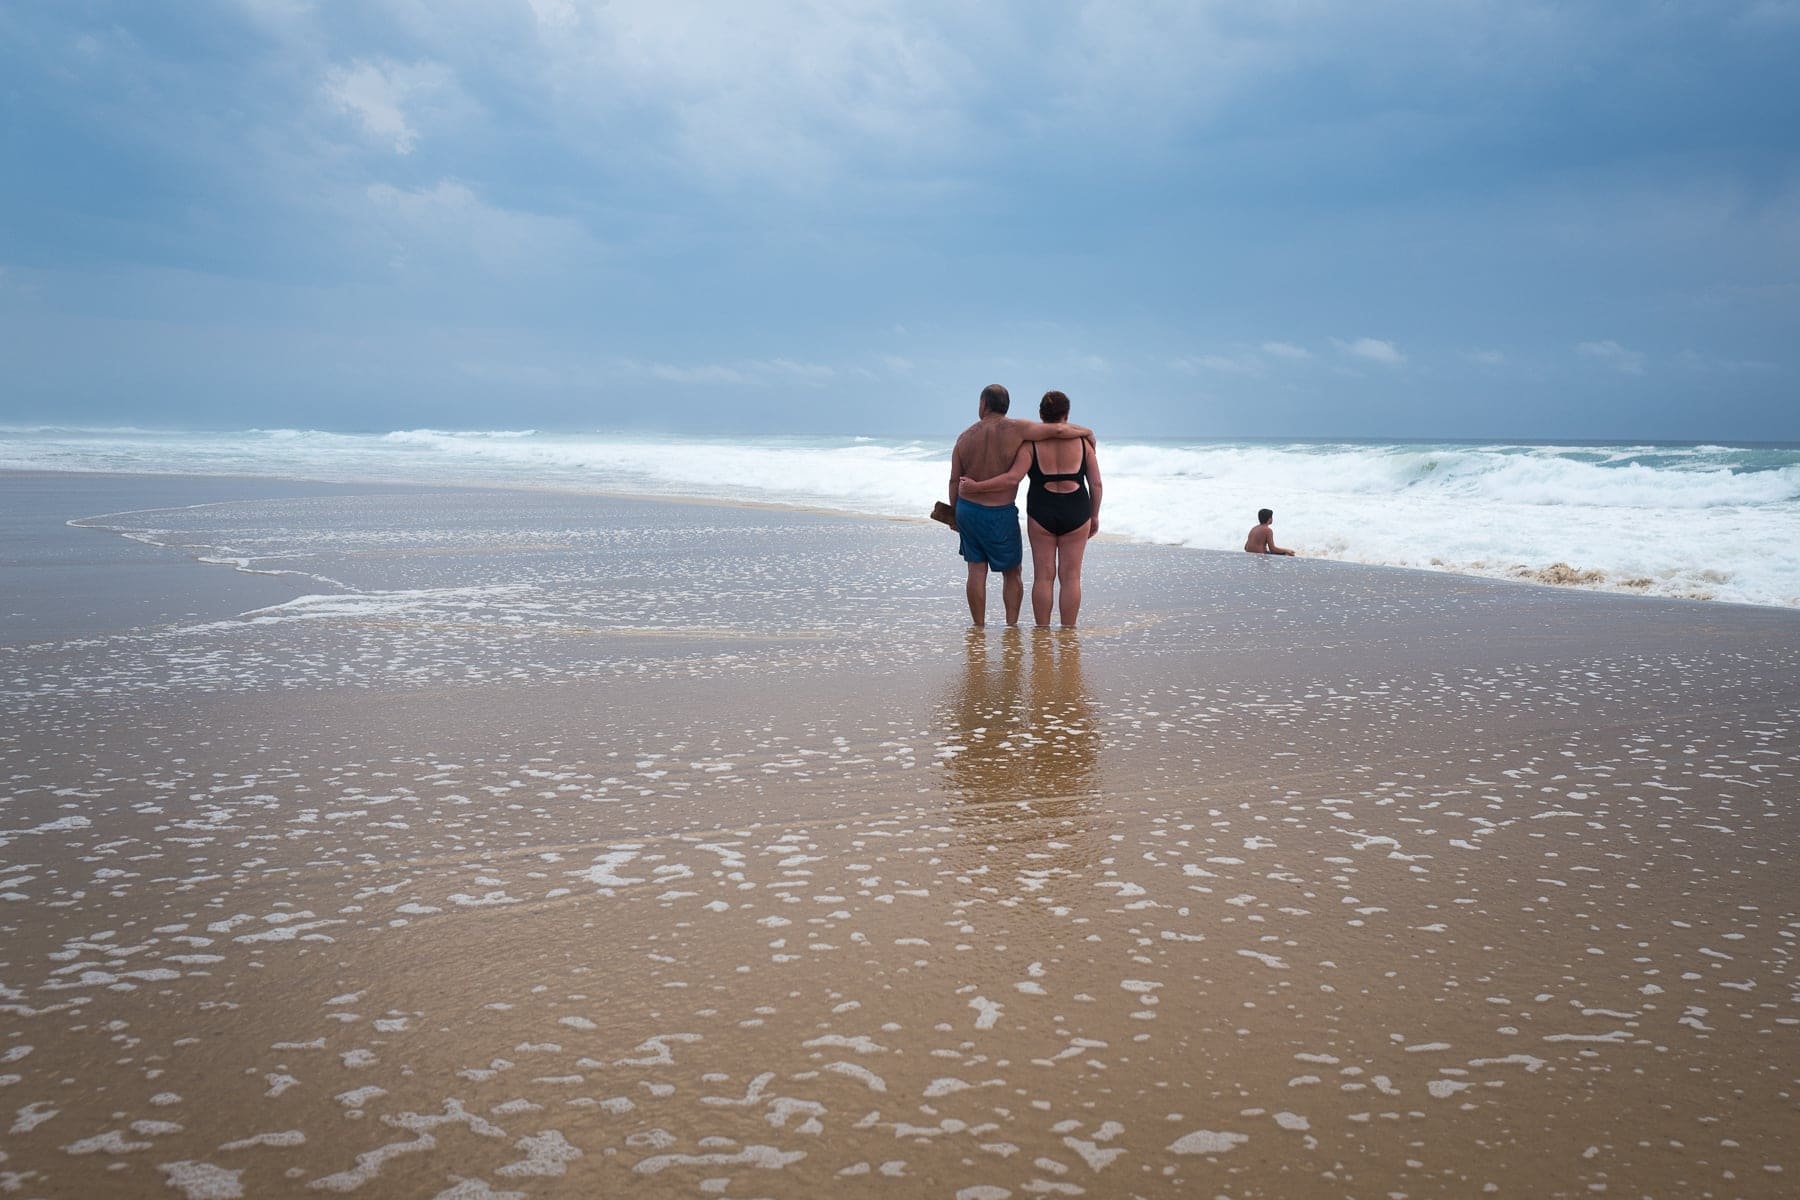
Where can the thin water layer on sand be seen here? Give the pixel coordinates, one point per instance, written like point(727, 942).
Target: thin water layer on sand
point(63, 582)
point(564, 847)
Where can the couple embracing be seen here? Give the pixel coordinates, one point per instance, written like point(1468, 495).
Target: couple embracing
point(1062, 504)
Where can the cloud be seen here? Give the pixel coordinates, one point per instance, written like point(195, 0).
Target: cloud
point(1778, 296)
point(785, 95)
point(512, 374)
point(810, 372)
point(1286, 350)
point(1769, 15)
point(1219, 362)
point(1373, 349)
point(1630, 362)
point(702, 186)
point(375, 94)
point(448, 222)
point(275, 16)
point(555, 16)
point(1693, 360)
point(757, 371)
point(799, 96)
point(705, 373)
point(15, 284)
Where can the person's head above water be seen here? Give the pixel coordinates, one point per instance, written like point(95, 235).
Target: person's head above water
point(1053, 407)
point(1264, 515)
point(995, 399)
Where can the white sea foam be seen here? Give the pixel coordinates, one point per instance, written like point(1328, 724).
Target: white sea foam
point(1709, 521)
point(204, 1181)
point(1207, 1141)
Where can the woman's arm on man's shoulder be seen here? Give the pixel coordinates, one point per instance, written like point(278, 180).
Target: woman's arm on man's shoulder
point(1044, 431)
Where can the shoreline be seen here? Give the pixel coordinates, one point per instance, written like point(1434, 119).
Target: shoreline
point(1501, 576)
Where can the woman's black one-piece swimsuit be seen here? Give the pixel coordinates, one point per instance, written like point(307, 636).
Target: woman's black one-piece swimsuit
point(1058, 512)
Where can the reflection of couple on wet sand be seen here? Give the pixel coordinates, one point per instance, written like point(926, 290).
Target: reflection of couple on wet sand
point(1023, 722)
point(1062, 504)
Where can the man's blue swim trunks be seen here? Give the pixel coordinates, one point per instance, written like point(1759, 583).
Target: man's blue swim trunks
point(990, 534)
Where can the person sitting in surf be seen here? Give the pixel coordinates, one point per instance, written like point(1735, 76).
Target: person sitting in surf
point(1262, 538)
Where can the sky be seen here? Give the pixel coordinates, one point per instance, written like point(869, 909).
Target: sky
point(1238, 218)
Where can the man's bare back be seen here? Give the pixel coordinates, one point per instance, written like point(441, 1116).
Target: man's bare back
point(1262, 538)
point(985, 449)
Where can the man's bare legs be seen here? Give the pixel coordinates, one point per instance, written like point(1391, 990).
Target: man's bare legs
point(1071, 548)
point(1012, 593)
point(977, 593)
point(1043, 571)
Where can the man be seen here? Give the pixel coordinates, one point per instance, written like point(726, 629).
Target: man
point(1262, 538)
point(990, 532)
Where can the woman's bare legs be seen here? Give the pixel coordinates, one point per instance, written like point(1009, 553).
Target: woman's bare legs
point(1056, 573)
point(1070, 549)
point(1043, 570)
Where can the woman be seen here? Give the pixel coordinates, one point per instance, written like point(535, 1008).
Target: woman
point(1062, 507)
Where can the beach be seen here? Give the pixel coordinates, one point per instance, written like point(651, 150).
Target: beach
point(459, 842)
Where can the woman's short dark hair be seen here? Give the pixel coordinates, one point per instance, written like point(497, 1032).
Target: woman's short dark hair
point(1053, 407)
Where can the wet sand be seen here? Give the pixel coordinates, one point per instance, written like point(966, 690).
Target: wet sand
point(66, 583)
point(569, 846)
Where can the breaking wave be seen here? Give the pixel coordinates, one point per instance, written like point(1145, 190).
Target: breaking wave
point(1706, 521)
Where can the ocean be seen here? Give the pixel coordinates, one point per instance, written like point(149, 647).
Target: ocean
point(1708, 522)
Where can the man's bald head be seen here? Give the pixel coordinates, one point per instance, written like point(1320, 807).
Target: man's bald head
point(995, 399)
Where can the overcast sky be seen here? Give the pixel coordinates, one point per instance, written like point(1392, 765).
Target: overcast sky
point(1248, 217)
